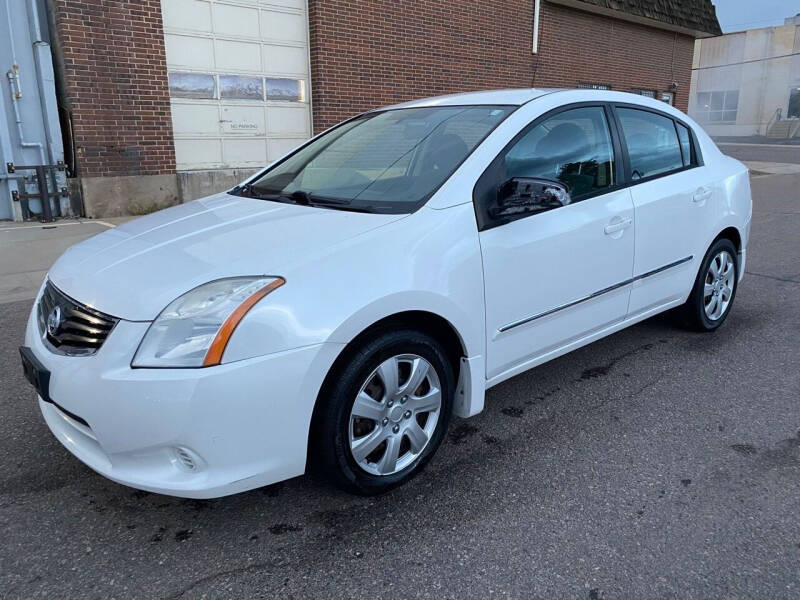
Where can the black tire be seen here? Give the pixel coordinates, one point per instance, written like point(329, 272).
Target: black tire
point(330, 453)
point(694, 311)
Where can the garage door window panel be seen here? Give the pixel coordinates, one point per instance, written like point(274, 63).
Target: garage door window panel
point(238, 87)
point(191, 85)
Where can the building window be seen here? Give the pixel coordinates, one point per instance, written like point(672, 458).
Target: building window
point(191, 85)
point(717, 107)
point(239, 87)
point(593, 86)
point(646, 93)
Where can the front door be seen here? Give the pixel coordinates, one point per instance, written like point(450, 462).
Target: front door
point(556, 276)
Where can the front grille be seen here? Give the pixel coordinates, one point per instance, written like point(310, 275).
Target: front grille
point(70, 327)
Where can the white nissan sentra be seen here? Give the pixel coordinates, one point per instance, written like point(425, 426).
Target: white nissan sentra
point(337, 308)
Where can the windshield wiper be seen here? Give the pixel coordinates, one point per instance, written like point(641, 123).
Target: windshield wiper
point(296, 197)
point(308, 199)
point(304, 199)
point(244, 189)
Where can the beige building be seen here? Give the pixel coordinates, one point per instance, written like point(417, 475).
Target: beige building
point(748, 83)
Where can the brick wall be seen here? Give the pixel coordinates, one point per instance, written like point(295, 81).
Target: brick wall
point(577, 46)
point(115, 76)
point(368, 53)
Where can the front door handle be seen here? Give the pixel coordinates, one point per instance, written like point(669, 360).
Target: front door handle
point(618, 226)
point(701, 195)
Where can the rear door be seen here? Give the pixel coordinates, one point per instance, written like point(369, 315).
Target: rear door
point(672, 205)
point(555, 276)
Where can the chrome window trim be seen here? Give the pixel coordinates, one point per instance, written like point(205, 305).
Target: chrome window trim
point(616, 286)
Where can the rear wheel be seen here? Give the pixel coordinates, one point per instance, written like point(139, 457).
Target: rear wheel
point(386, 412)
point(714, 289)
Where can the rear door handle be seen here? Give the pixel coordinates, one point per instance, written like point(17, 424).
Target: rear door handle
point(701, 195)
point(618, 226)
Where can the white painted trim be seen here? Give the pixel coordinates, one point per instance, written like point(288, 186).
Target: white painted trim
point(309, 81)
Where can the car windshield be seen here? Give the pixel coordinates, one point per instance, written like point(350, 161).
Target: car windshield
point(390, 161)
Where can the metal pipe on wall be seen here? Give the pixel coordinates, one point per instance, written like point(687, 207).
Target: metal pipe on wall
point(7, 152)
point(16, 94)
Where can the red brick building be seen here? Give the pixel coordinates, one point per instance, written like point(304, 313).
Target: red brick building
point(164, 101)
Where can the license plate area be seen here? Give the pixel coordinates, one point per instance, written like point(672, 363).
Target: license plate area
point(35, 373)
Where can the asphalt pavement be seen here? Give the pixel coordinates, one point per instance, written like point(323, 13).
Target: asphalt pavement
point(27, 250)
point(776, 153)
point(656, 463)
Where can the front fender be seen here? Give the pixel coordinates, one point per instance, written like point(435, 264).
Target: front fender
point(429, 261)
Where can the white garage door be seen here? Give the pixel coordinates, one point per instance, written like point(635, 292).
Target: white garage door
point(239, 80)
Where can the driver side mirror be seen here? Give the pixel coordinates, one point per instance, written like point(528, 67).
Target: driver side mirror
point(521, 195)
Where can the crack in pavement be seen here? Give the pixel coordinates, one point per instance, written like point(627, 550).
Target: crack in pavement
point(629, 396)
point(772, 277)
point(256, 567)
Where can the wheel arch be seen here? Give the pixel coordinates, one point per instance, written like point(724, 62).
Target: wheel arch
point(731, 233)
point(434, 324)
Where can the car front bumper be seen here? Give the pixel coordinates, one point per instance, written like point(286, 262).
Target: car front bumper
point(195, 433)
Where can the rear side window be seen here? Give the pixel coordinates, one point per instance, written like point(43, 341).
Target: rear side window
point(652, 143)
point(686, 144)
point(572, 147)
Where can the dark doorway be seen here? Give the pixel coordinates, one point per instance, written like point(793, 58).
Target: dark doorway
point(794, 103)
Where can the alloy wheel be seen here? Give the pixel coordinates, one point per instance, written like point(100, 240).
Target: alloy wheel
point(719, 283)
point(394, 414)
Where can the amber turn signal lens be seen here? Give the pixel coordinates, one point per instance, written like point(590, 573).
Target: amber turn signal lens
point(217, 348)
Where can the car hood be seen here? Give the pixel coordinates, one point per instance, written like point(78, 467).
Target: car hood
point(133, 271)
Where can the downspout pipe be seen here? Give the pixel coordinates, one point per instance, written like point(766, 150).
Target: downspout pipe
point(8, 154)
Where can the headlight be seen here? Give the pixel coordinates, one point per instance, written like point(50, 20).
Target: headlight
point(194, 330)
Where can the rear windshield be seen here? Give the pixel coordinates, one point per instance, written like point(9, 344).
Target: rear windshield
point(390, 161)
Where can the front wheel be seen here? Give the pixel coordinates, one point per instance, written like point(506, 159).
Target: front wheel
point(714, 289)
point(385, 412)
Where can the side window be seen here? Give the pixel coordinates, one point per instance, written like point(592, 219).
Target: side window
point(573, 147)
point(686, 144)
point(652, 142)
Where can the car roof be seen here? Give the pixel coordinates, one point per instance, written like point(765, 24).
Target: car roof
point(518, 97)
point(512, 97)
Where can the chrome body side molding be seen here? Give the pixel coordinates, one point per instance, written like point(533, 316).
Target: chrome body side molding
point(616, 286)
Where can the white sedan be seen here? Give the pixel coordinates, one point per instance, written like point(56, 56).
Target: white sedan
point(336, 309)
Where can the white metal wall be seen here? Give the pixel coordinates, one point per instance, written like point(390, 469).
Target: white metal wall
point(29, 129)
point(239, 80)
point(761, 65)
